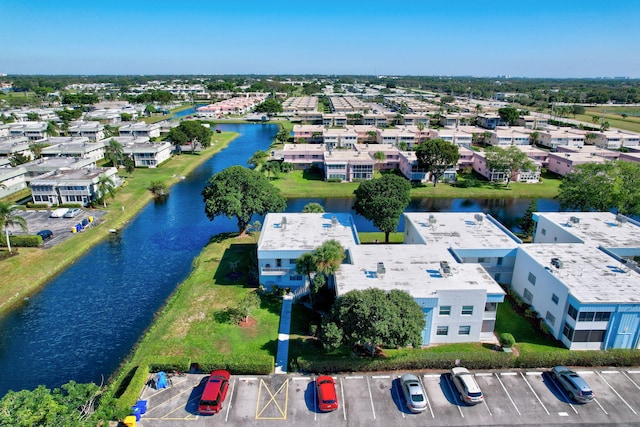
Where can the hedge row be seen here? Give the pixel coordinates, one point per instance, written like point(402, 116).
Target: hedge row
point(483, 360)
point(235, 364)
point(130, 395)
point(32, 205)
point(21, 241)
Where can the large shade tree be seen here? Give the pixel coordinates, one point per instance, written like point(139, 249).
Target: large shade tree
point(382, 201)
point(602, 187)
point(509, 160)
point(373, 317)
point(10, 216)
point(241, 192)
point(436, 156)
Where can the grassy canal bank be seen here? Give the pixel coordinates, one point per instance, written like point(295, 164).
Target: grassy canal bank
point(25, 273)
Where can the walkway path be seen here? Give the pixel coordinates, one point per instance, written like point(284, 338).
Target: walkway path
point(282, 357)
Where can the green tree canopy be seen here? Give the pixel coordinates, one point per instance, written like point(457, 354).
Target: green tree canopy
point(241, 192)
point(509, 115)
point(510, 160)
point(436, 156)
point(313, 207)
point(258, 158)
point(114, 152)
point(269, 106)
point(382, 201)
point(191, 131)
point(602, 187)
point(374, 317)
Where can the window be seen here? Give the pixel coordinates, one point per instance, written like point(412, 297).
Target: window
point(527, 296)
point(278, 262)
point(588, 336)
point(572, 312)
point(568, 331)
point(497, 277)
point(488, 325)
point(442, 330)
point(467, 310)
point(464, 330)
point(445, 310)
point(532, 279)
point(586, 316)
point(602, 316)
point(500, 260)
point(594, 316)
point(550, 318)
point(491, 306)
point(555, 299)
point(544, 232)
point(482, 260)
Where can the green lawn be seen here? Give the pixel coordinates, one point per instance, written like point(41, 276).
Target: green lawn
point(195, 323)
point(306, 184)
point(528, 338)
point(613, 116)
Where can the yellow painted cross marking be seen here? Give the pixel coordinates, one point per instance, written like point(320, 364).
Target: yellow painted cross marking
point(277, 408)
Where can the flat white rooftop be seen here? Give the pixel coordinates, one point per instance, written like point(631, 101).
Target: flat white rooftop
point(411, 268)
point(591, 276)
point(598, 228)
point(306, 231)
point(467, 230)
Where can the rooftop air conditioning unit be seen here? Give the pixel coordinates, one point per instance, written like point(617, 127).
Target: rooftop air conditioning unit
point(621, 218)
point(478, 217)
point(380, 268)
point(574, 220)
point(557, 263)
point(445, 267)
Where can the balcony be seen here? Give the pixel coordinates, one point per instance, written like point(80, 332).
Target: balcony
point(274, 271)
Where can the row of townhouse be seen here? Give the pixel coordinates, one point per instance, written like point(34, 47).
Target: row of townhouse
point(70, 153)
point(577, 274)
point(236, 105)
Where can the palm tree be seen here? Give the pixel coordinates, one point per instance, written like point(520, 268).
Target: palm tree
point(306, 266)
point(105, 186)
point(9, 217)
point(420, 126)
point(114, 152)
point(534, 137)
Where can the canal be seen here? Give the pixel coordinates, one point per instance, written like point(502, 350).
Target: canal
point(86, 321)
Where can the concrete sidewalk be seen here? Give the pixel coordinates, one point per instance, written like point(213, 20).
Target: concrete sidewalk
point(282, 357)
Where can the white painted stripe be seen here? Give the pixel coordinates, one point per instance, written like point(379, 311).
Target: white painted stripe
point(634, 372)
point(233, 387)
point(563, 414)
point(484, 374)
point(534, 373)
point(380, 376)
point(300, 378)
point(632, 381)
point(508, 374)
point(359, 377)
point(617, 394)
point(432, 375)
point(249, 379)
point(609, 372)
point(534, 393)
point(585, 372)
point(508, 395)
point(373, 409)
point(596, 400)
point(283, 337)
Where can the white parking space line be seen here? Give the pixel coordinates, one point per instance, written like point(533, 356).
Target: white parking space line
point(359, 377)
point(507, 393)
point(508, 374)
point(344, 409)
point(634, 372)
point(432, 375)
point(632, 381)
point(483, 374)
point(618, 394)
point(427, 397)
point(249, 379)
point(381, 376)
point(534, 373)
point(233, 387)
point(533, 391)
point(563, 414)
point(609, 372)
point(487, 406)
point(564, 395)
point(300, 379)
point(596, 400)
point(315, 402)
point(373, 409)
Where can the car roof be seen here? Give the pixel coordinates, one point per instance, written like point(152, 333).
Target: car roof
point(409, 377)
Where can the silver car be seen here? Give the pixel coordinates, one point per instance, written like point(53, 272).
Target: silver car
point(466, 385)
point(414, 394)
point(573, 383)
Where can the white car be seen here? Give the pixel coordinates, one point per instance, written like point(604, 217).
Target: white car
point(58, 213)
point(467, 386)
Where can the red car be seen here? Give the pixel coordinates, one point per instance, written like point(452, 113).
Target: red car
point(326, 392)
point(214, 393)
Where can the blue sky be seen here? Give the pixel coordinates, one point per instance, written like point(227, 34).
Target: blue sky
point(561, 38)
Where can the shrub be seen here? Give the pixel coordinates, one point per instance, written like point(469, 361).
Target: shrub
point(21, 241)
point(507, 340)
point(334, 180)
point(129, 396)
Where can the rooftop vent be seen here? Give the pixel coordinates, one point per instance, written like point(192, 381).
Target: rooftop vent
point(479, 218)
point(557, 263)
point(334, 221)
point(432, 220)
point(283, 222)
point(380, 269)
point(621, 218)
point(445, 267)
point(574, 220)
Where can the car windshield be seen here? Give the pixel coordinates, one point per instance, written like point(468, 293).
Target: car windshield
point(475, 394)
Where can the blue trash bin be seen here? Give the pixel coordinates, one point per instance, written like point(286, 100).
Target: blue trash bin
point(142, 404)
point(135, 411)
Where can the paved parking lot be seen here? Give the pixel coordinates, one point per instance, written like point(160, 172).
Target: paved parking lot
point(511, 398)
point(61, 227)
